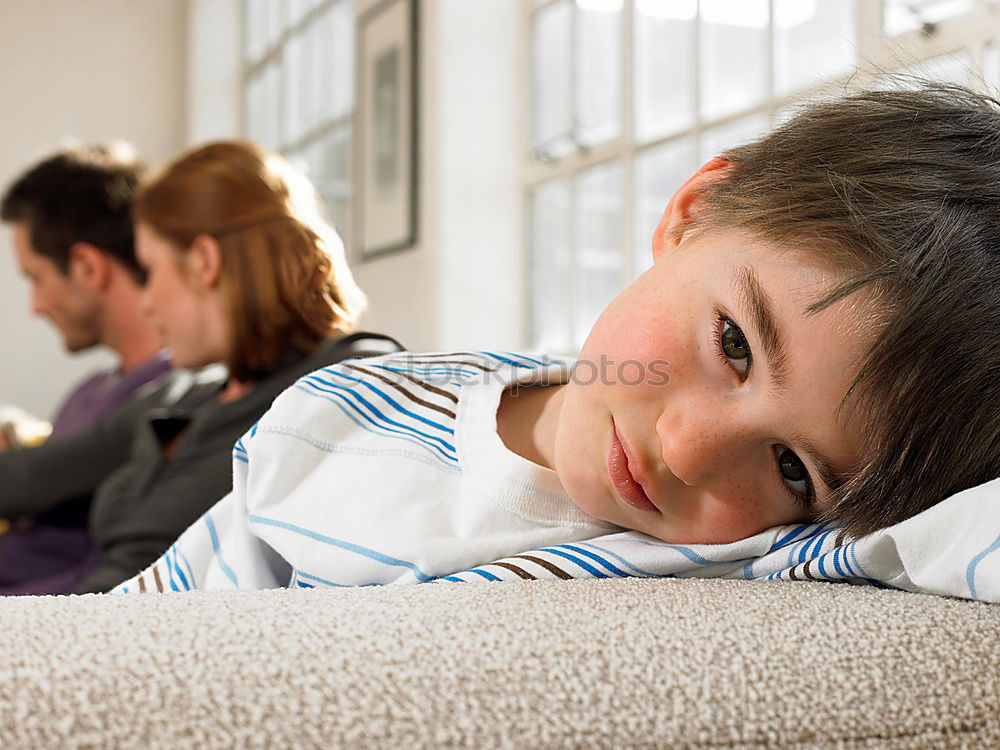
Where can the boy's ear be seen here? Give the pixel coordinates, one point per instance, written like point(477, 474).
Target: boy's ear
point(204, 261)
point(679, 209)
point(89, 266)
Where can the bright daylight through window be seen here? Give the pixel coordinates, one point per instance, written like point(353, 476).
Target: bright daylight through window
point(629, 97)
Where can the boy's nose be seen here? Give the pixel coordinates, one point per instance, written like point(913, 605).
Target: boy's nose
point(698, 446)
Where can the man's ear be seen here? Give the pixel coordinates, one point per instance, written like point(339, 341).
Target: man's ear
point(89, 266)
point(679, 209)
point(204, 261)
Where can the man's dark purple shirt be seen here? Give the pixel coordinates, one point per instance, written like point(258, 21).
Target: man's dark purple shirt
point(39, 556)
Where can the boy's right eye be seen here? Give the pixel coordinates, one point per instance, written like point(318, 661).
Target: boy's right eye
point(734, 348)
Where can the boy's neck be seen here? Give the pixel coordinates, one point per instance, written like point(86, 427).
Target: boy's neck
point(527, 419)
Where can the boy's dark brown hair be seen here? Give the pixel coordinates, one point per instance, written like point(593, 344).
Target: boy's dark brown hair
point(899, 192)
point(79, 193)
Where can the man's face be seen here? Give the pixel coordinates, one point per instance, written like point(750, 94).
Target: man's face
point(714, 411)
point(62, 298)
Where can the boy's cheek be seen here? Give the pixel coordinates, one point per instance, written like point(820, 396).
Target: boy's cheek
point(631, 341)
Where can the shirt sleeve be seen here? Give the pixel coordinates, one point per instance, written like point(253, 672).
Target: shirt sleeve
point(219, 551)
point(33, 480)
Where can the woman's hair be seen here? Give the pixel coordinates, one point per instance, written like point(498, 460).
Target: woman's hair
point(899, 192)
point(284, 277)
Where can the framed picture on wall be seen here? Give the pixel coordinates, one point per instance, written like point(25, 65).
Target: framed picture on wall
point(386, 128)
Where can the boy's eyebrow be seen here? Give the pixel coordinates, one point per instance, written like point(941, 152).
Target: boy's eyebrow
point(756, 300)
point(765, 323)
point(832, 478)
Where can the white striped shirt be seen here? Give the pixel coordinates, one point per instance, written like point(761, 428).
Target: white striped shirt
point(378, 471)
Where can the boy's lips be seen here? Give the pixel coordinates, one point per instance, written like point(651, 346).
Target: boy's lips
point(621, 464)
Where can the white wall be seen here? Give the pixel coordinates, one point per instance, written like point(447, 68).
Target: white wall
point(460, 286)
point(93, 70)
point(477, 199)
point(213, 70)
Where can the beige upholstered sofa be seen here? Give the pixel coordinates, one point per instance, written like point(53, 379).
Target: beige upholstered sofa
point(550, 664)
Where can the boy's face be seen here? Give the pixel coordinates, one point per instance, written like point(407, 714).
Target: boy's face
point(710, 410)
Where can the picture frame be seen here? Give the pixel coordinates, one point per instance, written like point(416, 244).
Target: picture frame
point(386, 129)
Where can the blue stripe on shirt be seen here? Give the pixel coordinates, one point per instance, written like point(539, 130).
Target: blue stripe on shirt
point(341, 544)
point(970, 571)
point(377, 429)
point(621, 560)
point(541, 363)
point(384, 395)
point(218, 554)
point(347, 394)
point(574, 559)
point(598, 559)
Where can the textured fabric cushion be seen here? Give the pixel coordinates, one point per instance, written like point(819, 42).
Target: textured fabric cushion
point(638, 663)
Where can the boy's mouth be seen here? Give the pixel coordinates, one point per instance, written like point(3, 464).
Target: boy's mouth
point(620, 472)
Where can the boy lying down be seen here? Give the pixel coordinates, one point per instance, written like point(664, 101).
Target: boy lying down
point(816, 340)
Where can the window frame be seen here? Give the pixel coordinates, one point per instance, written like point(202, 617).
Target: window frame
point(327, 128)
point(972, 31)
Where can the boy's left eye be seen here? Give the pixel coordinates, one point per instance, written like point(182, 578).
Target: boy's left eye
point(734, 348)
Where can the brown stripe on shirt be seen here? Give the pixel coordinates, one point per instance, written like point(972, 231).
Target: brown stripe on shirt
point(554, 570)
point(156, 577)
point(807, 573)
point(462, 362)
point(427, 386)
point(142, 584)
point(401, 389)
point(515, 569)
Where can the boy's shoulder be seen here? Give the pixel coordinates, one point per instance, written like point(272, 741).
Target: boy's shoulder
point(401, 387)
point(450, 371)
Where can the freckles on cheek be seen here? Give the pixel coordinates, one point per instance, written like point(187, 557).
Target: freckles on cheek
point(736, 516)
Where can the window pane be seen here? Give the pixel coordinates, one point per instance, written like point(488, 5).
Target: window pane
point(276, 22)
point(715, 141)
point(550, 265)
point(336, 186)
point(659, 171)
point(664, 60)
point(734, 45)
point(813, 42)
point(263, 106)
point(255, 22)
point(338, 68)
point(598, 64)
point(318, 80)
point(954, 68)
point(598, 271)
point(297, 9)
point(295, 74)
point(991, 69)
point(552, 76)
point(900, 16)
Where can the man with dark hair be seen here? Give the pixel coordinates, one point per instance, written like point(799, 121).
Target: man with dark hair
point(70, 216)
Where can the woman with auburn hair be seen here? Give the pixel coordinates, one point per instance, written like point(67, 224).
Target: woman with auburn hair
point(243, 272)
